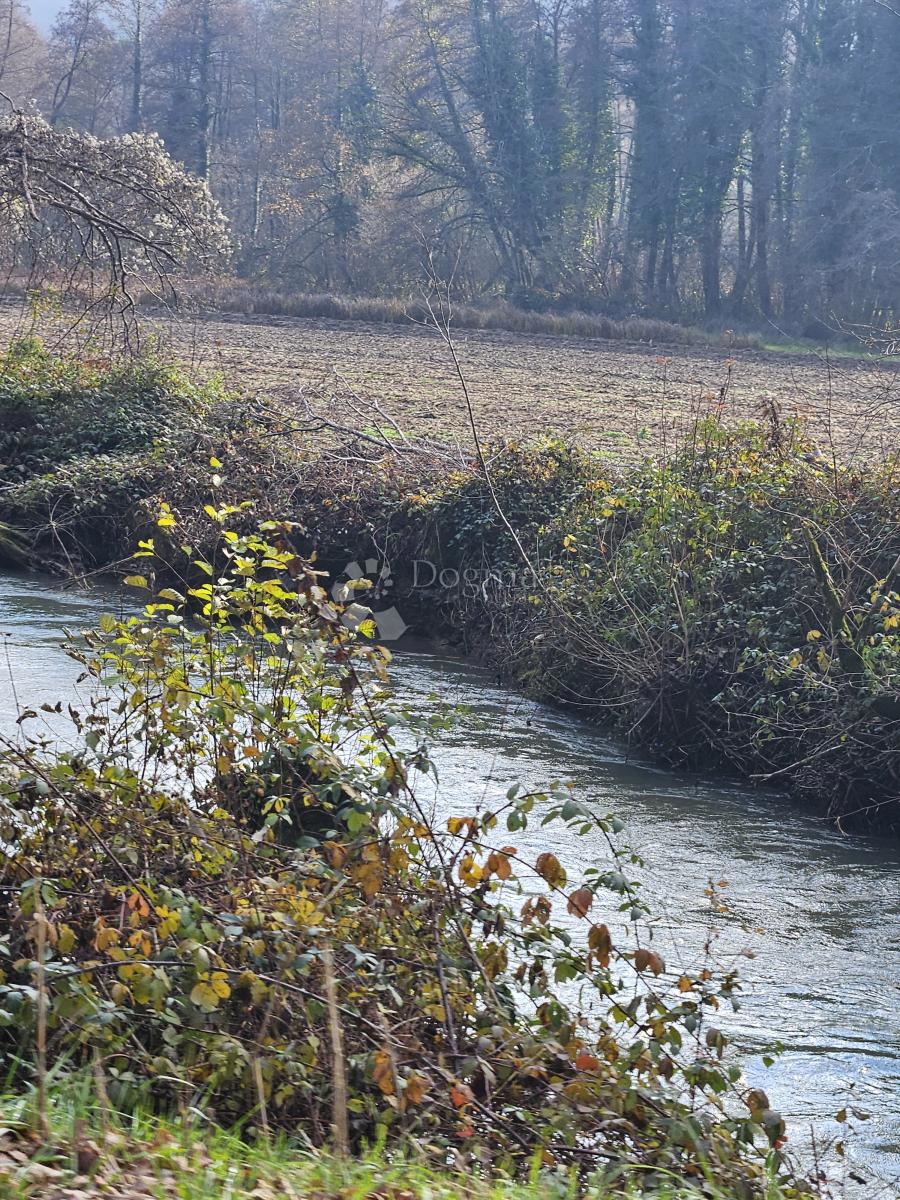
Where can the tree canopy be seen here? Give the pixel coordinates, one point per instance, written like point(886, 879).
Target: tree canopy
point(733, 158)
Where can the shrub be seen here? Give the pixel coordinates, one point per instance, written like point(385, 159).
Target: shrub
point(84, 445)
point(229, 897)
point(741, 599)
point(54, 409)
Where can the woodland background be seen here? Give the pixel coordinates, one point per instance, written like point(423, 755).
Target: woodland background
point(729, 160)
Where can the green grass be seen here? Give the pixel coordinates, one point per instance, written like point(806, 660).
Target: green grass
point(97, 1151)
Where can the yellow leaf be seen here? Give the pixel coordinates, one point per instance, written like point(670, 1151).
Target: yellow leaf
point(416, 1087)
point(469, 871)
point(105, 938)
point(65, 942)
point(383, 1073)
point(550, 869)
point(370, 877)
point(456, 825)
point(209, 990)
point(219, 983)
point(305, 912)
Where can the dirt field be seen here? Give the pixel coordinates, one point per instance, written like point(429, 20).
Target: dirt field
point(621, 397)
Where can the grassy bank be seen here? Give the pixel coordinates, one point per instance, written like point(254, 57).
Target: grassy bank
point(737, 603)
point(92, 1151)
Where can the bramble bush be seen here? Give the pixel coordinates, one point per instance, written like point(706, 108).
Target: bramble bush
point(738, 602)
point(87, 445)
point(229, 897)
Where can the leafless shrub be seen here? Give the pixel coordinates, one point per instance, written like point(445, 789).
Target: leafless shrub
point(101, 220)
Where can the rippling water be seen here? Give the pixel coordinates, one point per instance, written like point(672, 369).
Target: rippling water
point(819, 912)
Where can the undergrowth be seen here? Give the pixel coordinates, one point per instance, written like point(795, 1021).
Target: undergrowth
point(85, 443)
point(95, 1150)
point(738, 604)
point(227, 898)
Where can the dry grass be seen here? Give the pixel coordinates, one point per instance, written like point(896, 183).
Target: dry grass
point(494, 314)
point(624, 398)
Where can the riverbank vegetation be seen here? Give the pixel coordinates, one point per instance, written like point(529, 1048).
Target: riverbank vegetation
point(141, 1155)
point(144, 1156)
point(229, 898)
point(735, 602)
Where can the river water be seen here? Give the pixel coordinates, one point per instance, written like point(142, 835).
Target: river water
point(819, 913)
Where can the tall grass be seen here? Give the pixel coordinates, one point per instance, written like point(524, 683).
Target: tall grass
point(495, 315)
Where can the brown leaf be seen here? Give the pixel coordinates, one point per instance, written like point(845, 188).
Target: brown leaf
point(600, 942)
point(461, 1095)
point(585, 1061)
point(580, 902)
point(645, 960)
point(498, 863)
point(757, 1101)
point(550, 869)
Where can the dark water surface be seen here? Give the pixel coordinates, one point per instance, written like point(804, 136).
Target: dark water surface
point(819, 912)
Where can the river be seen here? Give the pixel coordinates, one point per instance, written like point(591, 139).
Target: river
point(818, 912)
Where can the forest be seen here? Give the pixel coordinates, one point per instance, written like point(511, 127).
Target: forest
point(730, 161)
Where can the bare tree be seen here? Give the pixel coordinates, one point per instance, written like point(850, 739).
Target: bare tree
point(106, 220)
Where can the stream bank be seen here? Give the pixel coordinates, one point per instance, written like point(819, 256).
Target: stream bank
point(820, 913)
point(736, 602)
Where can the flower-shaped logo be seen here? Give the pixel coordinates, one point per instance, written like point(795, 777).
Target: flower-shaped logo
point(373, 581)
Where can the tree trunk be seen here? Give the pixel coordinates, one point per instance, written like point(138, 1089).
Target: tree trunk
point(204, 98)
point(710, 253)
point(136, 118)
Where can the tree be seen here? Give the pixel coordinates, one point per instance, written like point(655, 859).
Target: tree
point(132, 18)
point(20, 51)
point(687, 157)
point(109, 217)
point(78, 39)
